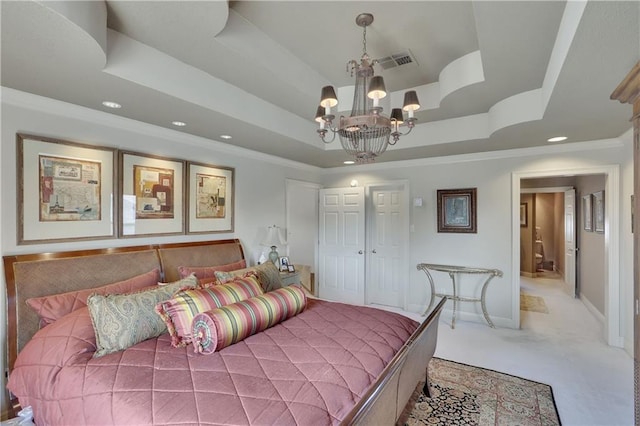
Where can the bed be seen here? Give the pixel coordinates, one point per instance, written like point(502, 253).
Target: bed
point(291, 373)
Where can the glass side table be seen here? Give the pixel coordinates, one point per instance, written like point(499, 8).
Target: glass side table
point(454, 272)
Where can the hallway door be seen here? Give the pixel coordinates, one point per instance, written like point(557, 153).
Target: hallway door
point(570, 250)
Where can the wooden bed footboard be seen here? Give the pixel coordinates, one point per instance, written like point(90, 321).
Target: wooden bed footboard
point(386, 399)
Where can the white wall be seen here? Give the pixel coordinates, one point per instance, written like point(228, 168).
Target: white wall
point(491, 247)
point(591, 265)
point(259, 179)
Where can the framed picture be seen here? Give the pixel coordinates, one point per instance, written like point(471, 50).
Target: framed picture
point(598, 211)
point(587, 222)
point(284, 264)
point(523, 214)
point(210, 194)
point(65, 190)
point(291, 268)
point(457, 210)
point(152, 195)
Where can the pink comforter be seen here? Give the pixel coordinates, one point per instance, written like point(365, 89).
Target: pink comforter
point(308, 370)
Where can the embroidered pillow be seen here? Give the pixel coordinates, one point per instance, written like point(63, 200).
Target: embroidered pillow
point(178, 312)
point(218, 328)
point(122, 320)
point(268, 275)
point(209, 271)
point(53, 307)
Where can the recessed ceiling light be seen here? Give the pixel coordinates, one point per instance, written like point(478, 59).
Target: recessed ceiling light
point(110, 104)
point(179, 123)
point(225, 136)
point(557, 139)
point(349, 162)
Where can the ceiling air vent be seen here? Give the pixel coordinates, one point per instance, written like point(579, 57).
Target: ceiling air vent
point(399, 59)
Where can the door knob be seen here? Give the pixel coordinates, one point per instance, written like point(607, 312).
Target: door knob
point(360, 252)
point(373, 251)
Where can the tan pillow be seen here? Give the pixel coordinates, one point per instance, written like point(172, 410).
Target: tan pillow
point(268, 275)
point(123, 320)
point(203, 272)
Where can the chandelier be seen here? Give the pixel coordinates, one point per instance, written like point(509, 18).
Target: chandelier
point(366, 133)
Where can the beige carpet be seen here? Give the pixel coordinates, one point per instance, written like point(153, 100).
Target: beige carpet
point(533, 303)
point(466, 395)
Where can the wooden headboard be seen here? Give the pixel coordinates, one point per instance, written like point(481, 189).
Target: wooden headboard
point(43, 274)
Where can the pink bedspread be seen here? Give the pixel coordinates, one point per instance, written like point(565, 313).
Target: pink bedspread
point(308, 370)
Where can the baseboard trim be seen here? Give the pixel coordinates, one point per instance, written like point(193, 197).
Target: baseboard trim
point(594, 311)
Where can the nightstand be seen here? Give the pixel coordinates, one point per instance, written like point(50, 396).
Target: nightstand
point(289, 278)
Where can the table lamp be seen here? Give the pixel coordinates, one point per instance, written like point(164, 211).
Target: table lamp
point(273, 239)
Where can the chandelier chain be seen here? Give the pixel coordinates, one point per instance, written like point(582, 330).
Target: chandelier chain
point(364, 41)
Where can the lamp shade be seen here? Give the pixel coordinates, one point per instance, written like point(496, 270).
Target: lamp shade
point(328, 97)
point(274, 237)
point(319, 114)
point(376, 88)
point(396, 115)
point(411, 102)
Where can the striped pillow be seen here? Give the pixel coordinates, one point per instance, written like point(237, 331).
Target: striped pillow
point(221, 327)
point(178, 312)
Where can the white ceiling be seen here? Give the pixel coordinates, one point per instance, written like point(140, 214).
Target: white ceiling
point(490, 75)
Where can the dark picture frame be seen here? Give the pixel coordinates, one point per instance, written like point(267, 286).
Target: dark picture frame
point(598, 211)
point(457, 210)
point(524, 215)
point(587, 213)
point(66, 190)
point(284, 264)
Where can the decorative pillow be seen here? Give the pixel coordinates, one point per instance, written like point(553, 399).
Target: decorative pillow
point(178, 312)
point(221, 327)
point(268, 275)
point(122, 320)
point(53, 307)
point(208, 271)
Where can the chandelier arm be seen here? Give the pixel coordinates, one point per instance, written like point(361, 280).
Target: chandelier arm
point(323, 133)
point(397, 134)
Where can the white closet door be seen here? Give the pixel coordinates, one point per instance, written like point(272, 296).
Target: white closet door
point(341, 250)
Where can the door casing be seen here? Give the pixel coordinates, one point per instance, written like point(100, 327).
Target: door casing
point(612, 330)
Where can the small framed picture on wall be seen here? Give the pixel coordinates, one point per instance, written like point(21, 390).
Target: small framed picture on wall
point(587, 222)
point(457, 210)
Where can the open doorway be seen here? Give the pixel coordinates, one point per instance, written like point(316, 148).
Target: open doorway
point(610, 279)
point(542, 232)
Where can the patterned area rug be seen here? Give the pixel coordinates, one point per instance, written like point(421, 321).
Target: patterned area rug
point(533, 303)
point(466, 395)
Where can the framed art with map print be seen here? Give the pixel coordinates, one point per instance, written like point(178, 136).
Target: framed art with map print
point(152, 191)
point(65, 190)
point(457, 210)
point(210, 195)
